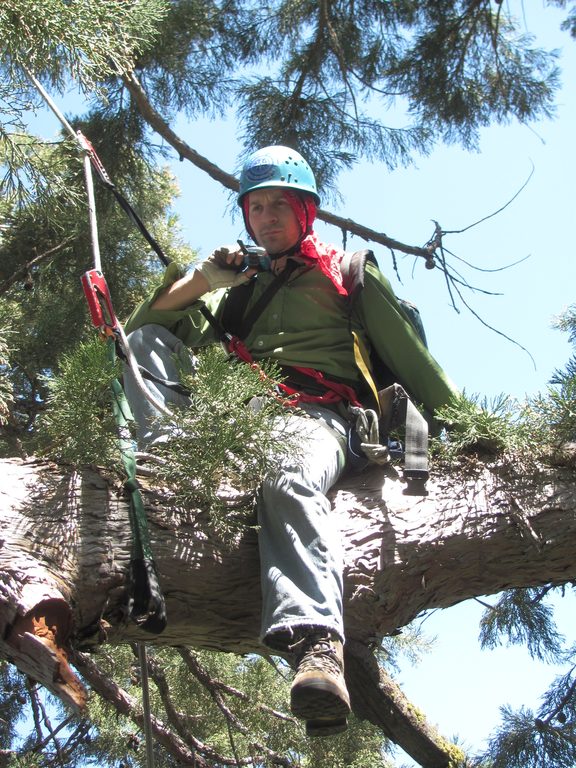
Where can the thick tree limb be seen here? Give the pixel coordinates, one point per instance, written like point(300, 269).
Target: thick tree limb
point(65, 538)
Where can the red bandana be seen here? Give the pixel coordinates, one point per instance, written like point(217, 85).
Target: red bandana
point(328, 256)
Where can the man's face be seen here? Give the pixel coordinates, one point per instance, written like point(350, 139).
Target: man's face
point(272, 220)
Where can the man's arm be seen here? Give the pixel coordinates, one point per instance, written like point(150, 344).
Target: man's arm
point(218, 271)
point(183, 292)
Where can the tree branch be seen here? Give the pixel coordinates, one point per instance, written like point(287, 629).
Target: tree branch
point(130, 708)
point(23, 272)
point(157, 122)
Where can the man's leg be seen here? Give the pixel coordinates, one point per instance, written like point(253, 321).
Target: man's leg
point(164, 356)
point(301, 562)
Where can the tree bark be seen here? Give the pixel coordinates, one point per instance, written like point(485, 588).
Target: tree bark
point(65, 550)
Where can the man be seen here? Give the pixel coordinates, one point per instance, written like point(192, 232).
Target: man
point(300, 317)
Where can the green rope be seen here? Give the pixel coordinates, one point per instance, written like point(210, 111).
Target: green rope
point(146, 603)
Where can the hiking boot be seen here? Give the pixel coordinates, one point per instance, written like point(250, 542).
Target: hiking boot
point(319, 693)
point(315, 728)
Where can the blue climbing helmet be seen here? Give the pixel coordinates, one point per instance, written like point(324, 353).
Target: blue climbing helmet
point(277, 166)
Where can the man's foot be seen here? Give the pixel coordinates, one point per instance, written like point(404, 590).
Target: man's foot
point(315, 728)
point(319, 693)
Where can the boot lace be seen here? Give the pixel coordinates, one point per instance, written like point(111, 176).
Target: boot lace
point(317, 652)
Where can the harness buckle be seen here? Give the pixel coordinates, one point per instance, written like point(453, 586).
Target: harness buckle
point(415, 482)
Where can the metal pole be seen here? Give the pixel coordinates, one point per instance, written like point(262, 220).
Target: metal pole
point(81, 141)
point(143, 659)
point(92, 211)
point(46, 96)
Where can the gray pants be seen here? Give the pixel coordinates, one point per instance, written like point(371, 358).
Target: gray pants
point(300, 550)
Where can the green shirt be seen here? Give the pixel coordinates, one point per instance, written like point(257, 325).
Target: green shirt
point(308, 323)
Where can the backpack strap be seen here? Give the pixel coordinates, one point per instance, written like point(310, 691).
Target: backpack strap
point(394, 404)
point(234, 319)
point(353, 268)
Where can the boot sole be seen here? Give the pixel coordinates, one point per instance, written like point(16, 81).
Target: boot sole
point(318, 728)
point(317, 701)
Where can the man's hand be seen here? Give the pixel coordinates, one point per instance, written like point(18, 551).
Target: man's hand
point(221, 268)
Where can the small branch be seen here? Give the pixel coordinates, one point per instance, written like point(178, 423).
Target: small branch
point(192, 663)
point(23, 272)
point(432, 251)
point(494, 213)
point(214, 687)
point(41, 744)
point(179, 721)
point(568, 696)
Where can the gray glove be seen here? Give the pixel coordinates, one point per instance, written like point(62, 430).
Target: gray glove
point(220, 270)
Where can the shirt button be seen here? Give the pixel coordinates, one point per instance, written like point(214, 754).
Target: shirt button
point(275, 316)
point(260, 343)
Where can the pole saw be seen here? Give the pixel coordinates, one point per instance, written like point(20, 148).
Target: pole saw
point(146, 605)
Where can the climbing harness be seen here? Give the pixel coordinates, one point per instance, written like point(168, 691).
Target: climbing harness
point(146, 605)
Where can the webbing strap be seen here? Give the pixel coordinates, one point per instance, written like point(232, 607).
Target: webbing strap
point(361, 359)
point(416, 451)
point(233, 320)
point(260, 305)
point(146, 604)
point(397, 409)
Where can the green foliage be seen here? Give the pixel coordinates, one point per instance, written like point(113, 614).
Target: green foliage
point(566, 322)
point(474, 425)
point(45, 249)
point(11, 703)
point(307, 74)
point(78, 426)
point(221, 447)
point(549, 419)
point(524, 618)
point(93, 40)
point(57, 41)
point(6, 396)
point(538, 429)
point(526, 741)
point(229, 710)
point(453, 66)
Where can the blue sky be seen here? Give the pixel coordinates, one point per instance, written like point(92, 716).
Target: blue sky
point(459, 687)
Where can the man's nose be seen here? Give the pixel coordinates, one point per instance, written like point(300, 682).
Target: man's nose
point(270, 213)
